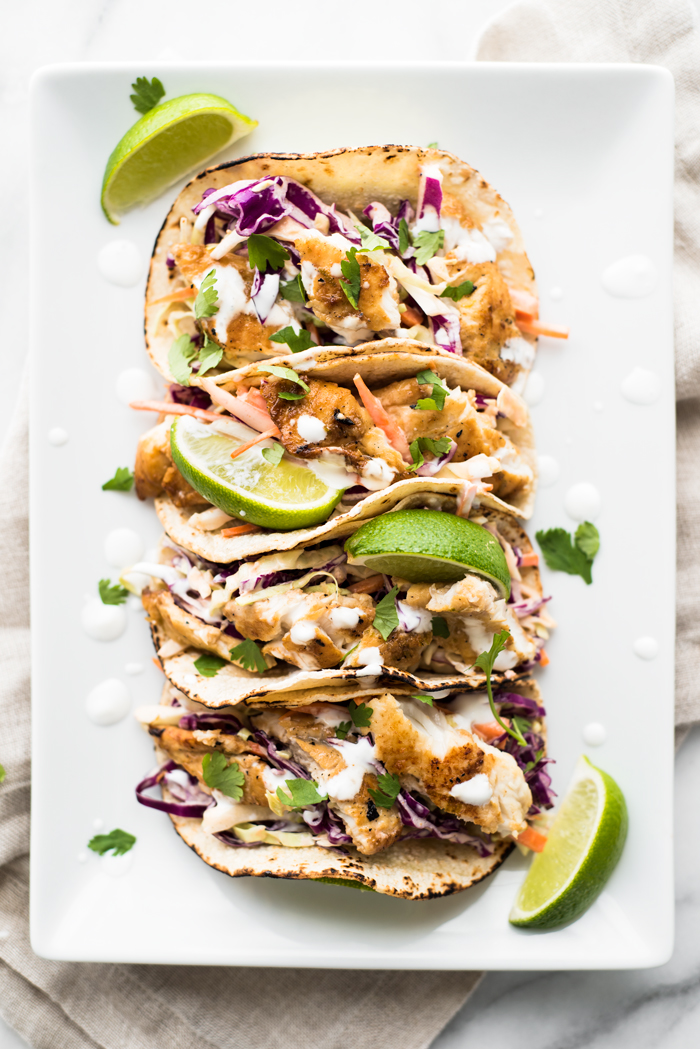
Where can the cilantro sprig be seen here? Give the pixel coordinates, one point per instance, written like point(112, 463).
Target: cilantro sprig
point(209, 665)
point(117, 841)
point(288, 373)
point(573, 556)
point(2, 773)
point(428, 244)
point(340, 731)
point(264, 252)
point(389, 787)
point(219, 775)
point(273, 455)
point(460, 291)
point(249, 656)
point(370, 240)
point(296, 340)
point(147, 93)
point(436, 401)
point(386, 616)
point(183, 353)
point(123, 481)
point(293, 290)
point(112, 595)
point(404, 237)
point(351, 281)
point(440, 627)
point(207, 302)
point(485, 662)
point(360, 713)
point(435, 446)
point(428, 700)
point(302, 792)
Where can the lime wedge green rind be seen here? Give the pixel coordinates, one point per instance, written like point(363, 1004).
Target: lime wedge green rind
point(346, 883)
point(280, 497)
point(583, 847)
point(169, 141)
point(427, 546)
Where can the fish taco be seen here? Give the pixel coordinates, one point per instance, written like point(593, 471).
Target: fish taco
point(409, 798)
point(271, 253)
point(410, 601)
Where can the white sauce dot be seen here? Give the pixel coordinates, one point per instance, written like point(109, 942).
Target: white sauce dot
point(123, 547)
point(597, 406)
point(539, 213)
point(103, 622)
point(583, 502)
point(556, 294)
point(534, 389)
point(641, 386)
point(81, 857)
point(108, 702)
point(548, 470)
point(630, 277)
point(475, 791)
point(594, 734)
point(57, 436)
point(311, 429)
point(134, 384)
point(302, 632)
point(133, 668)
point(646, 647)
point(98, 824)
point(121, 263)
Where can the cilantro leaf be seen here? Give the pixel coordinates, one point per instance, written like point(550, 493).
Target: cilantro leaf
point(293, 290)
point(436, 446)
point(360, 713)
point(219, 775)
point(117, 841)
point(386, 617)
point(209, 355)
point(2, 773)
point(123, 481)
point(427, 244)
point(389, 787)
point(264, 250)
point(404, 237)
point(461, 291)
point(274, 454)
point(209, 665)
point(112, 595)
point(302, 792)
point(440, 627)
point(370, 240)
point(425, 699)
point(207, 302)
point(352, 278)
point(249, 656)
point(564, 555)
point(587, 539)
point(296, 340)
point(179, 356)
point(485, 662)
point(416, 454)
point(342, 729)
point(440, 391)
point(531, 764)
point(286, 373)
point(147, 93)
point(432, 145)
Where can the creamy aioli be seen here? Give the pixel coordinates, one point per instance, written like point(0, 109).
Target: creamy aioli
point(630, 277)
point(123, 547)
point(475, 791)
point(582, 502)
point(641, 386)
point(120, 262)
point(359, 760)
point(103, 622)
point(311, 429)
point(108, 702)
point(57, 436)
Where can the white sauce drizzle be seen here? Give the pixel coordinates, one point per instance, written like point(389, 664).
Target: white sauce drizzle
point(344, 618)
point(123, 547)
point(359, 759)
point(583, 502)
point(103, 622)
point(121, 263)
point(474, 791)
point(57, 436)
point(641, 386)
point(646, 647)
point(311, 429)
point(108, 702)
point(303, 631)
point(630, 277)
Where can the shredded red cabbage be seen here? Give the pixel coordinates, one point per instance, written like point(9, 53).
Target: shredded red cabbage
point(445, 331)
point(190, 395)
point(275, 759)
point(190, 801)
point(512, 703)
point(425, 823)
point(207, 720)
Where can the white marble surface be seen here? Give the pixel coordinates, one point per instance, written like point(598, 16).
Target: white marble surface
point(656, 1008)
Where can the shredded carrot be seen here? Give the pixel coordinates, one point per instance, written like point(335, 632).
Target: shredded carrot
point(544, 658)
point(524, 302)
point(529, 560)
point(242, 407)
point(254, 397)
point(366, 586)
point(532, 839)
point(379, 416)
point(535, 328)
point(523, 315)
point(256, 440)
point(169, 408)
point(240, 530)
point(177, 296)
point(156, 663)
point(411, 316)
point(488, 730)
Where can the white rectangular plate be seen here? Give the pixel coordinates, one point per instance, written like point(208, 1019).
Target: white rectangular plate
point(584, 156)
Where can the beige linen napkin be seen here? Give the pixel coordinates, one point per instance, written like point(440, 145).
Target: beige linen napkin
point(73, 1006)
point(663, 33)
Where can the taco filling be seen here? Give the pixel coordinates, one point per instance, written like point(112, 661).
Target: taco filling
point(358, 776)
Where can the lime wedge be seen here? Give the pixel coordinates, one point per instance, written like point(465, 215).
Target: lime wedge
point(584, 845)
point(165, 144)
point(427, 546)
point(282, 496)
